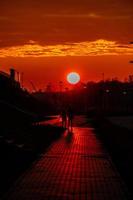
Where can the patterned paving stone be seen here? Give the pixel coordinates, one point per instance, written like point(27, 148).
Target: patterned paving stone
point(76, 167)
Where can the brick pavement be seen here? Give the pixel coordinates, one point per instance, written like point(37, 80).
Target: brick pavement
point(75, 167)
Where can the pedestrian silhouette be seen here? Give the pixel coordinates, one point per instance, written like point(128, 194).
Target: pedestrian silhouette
point(64, 118)
point(70, 116)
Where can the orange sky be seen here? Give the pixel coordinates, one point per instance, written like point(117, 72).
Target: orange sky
point(47, 39)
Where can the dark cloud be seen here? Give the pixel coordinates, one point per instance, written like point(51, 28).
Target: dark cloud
point(63, 21)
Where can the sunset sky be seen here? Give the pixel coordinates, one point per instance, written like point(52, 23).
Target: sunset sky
point(46, 39)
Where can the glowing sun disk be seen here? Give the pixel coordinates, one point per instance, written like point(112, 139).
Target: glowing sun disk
point(73, 78)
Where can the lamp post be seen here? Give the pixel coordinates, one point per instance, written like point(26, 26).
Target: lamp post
point(131, 61)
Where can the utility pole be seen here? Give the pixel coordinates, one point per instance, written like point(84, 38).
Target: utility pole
point(131, 61)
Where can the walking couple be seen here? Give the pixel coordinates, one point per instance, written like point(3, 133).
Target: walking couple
point(67, 118)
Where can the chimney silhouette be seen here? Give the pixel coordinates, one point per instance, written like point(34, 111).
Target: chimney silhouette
point(12, 74)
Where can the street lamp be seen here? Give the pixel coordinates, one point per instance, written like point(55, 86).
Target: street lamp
point(131, 61)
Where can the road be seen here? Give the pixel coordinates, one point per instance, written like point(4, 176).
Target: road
point(76, 166)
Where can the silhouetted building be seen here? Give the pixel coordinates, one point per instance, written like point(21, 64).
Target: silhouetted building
point(17, 106)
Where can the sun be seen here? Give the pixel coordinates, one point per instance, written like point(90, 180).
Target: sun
point(73, 78)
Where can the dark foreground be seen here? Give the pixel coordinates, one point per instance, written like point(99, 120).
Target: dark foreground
point(119, 143)
point(76, 167)
point(18, 150)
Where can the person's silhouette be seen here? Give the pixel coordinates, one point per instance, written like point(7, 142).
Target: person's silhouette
point(70, 116)
point(64, 118)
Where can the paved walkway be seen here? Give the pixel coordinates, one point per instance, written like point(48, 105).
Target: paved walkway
point(74, 167)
